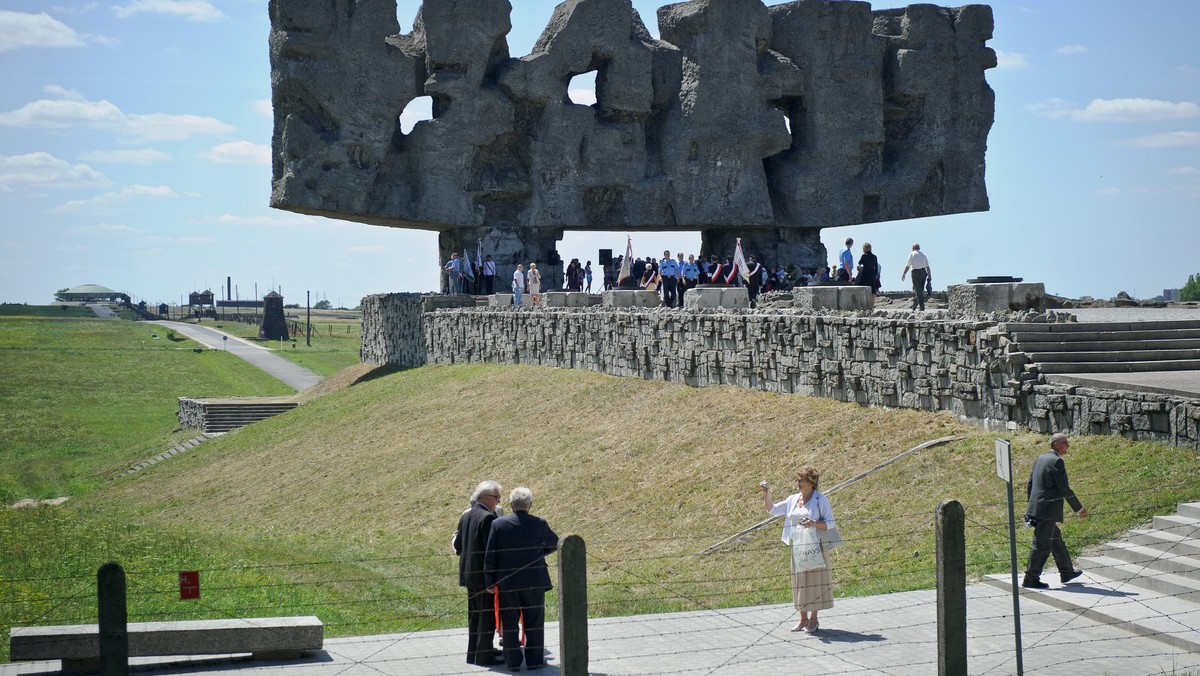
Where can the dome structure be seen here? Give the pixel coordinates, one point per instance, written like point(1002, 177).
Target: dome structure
point(92, 292)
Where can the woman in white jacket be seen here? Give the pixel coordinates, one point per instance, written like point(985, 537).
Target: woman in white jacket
point(812, 589)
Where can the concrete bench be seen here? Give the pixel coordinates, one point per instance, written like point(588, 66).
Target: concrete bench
point(78, 645)
point(630, 298)
point(997, 297)
point(713, 297)
point(841, 297)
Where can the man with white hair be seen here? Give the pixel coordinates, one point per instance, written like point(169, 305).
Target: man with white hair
point(919, 264)
point(515, 566)
point(471, 545)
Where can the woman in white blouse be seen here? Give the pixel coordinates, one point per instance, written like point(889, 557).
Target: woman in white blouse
point(812, 590)
point(535, 283)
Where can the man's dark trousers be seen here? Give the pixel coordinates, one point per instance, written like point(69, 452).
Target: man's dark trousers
point(531, 605)
point(481, 625)
point(1047, 541)
point(669, 288)
point(918, 277)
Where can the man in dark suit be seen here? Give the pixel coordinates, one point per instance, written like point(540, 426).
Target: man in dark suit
point(515, 564)
point(1048, 487)
point(471, 544)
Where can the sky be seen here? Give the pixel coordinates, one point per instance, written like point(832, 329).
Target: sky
point(135, 154)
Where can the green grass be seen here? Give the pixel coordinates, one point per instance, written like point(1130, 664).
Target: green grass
point(344, 507)
point(81, 399)
point(63, 311)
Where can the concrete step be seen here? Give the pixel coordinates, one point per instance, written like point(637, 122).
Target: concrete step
point(1164, 541)
point(1177, 524)
point(1119, 367)
point(1101, 327)
point(1072, 355)
point(1142, 612)
point(1104, 336)
point(1122, 344)
point(1154, 559)
point(1189, 509)
point(1142, 577)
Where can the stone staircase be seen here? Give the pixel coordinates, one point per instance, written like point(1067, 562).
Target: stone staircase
point(223, 417)
point(1147, 583)
point(1130, 347)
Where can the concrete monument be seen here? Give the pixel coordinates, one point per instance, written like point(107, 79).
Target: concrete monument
point(740, 120)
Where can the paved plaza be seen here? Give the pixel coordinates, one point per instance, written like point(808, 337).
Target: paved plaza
point(892, 634)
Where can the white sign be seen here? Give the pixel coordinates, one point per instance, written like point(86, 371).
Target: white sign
point(1004, 460)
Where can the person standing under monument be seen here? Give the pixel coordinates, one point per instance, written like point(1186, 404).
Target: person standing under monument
point(454, 272)
point(574, 275)
point(534, 278)
point(489, 276)
point(668, 278)
point(921, 275)
point(690, 272)
point(515, 566)
point(754, 271)
point(518, 284)
point(868, 272)
point(587, 276)
point(1048, 487)
point(845, 270)
point(474, 527)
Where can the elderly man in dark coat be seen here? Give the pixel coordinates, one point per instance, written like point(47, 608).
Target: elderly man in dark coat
point(470, 543)
point(515, 565)
point(1048, 487)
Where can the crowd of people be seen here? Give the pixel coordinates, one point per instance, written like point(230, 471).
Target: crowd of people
point(671, 276)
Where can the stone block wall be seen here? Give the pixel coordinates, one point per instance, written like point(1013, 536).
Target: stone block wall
point(393, 328)
point(928, 363)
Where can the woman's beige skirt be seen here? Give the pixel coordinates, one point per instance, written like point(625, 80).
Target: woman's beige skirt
point(812, 589)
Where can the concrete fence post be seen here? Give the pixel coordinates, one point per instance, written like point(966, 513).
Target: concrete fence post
point(114, 634)
point(951, 589)
point(572, 607)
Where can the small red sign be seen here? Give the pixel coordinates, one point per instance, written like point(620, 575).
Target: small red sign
point(189, 584)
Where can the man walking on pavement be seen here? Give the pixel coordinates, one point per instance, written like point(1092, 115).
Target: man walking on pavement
point(1048, 487)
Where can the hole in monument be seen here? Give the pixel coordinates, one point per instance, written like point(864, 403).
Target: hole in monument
point(417, 110)
point(581, 90)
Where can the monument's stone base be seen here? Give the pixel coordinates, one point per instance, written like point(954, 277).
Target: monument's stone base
point(636, 298)
point(713, 297)
point(569, 299)
point(500, 300)
point(848, 298)
point(998, 297)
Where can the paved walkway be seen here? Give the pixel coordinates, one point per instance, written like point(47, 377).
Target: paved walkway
point(893, 634)
point(291, 374)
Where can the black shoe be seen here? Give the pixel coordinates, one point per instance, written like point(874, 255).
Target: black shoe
point(1067, 577)
point(531, 667)
point(1034, 583)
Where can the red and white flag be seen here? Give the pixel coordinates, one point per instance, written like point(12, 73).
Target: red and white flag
point(624, 273)
point(739, 263)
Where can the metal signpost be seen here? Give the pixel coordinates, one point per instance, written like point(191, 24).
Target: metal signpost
point(1004, 471)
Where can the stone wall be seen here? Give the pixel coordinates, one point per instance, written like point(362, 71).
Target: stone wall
point(938, 363)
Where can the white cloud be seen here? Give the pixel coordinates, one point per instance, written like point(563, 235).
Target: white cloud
point(189, 239)
point(1187, 69)
point(1171, 139)
point(192, 10)
point(369, 248)
point(19, 30)
point(118, 199)
point(43, 170)
point(1109, 191)
point(71, 109)
point(263, 107)
point(1185, 171)
point(582, 97)
point(268, 221)
point(106, 229)
point(1010, 60)
point(238, 152)
point(417, 110)
point(1117, 110)
point(1071, 50)
point(138, 156)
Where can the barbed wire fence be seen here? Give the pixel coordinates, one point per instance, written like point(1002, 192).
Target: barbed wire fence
point(649, 597)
